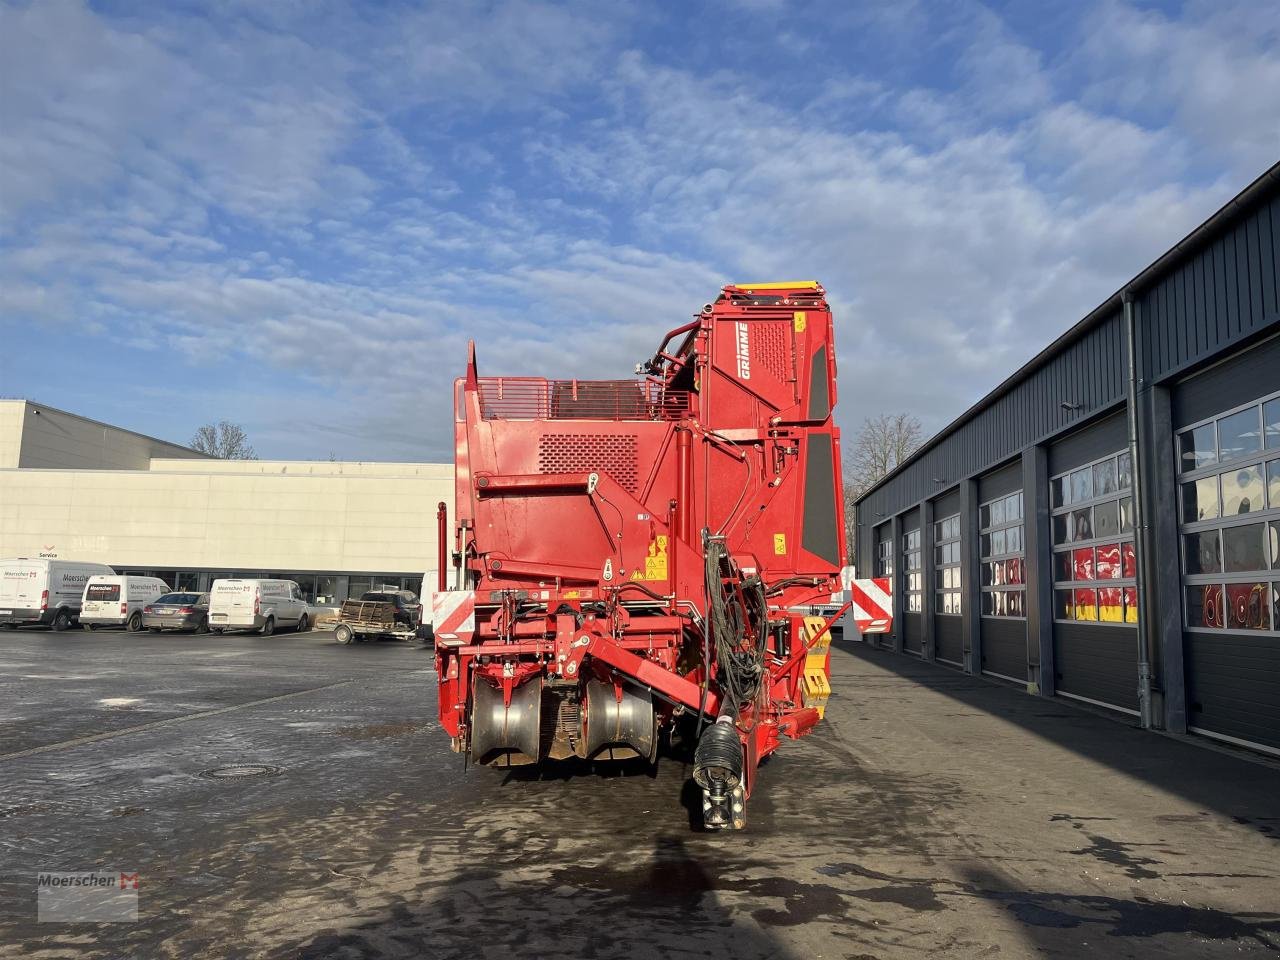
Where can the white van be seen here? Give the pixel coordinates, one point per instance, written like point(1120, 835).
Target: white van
point(261, 605)
point(44, 591)
point(118, 601)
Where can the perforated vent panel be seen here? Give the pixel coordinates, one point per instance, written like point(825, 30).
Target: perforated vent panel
point(771, 347)
point(585, 452)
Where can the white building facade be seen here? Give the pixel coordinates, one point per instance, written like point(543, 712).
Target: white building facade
point(76, 489)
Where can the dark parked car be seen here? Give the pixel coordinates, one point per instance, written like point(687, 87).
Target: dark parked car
point(177, 611)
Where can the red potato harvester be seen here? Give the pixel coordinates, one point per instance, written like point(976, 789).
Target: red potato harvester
point(628, 553)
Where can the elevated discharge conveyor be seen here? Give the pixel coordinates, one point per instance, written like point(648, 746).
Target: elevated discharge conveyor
point(632, 554)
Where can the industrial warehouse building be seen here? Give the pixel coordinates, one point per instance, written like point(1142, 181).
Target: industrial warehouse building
point(76, 489)
point(1111, 533)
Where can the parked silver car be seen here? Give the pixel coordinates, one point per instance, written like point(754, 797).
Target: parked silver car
point(177, 611)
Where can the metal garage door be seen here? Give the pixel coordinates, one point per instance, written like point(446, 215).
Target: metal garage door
point(948, 596)
point(1228, 446)
point(911, 583)
point(1002, 591)
point(1095, 611)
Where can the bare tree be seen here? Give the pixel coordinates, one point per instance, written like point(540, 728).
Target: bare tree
point(882, 443)
point(224, 440)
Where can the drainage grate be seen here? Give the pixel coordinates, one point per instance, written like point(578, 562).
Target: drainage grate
point(240, 771)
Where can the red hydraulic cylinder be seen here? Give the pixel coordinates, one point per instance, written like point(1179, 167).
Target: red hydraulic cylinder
point(684, 485)
point(442, 543)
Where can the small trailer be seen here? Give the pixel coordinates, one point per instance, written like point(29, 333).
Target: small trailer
point(361, 620)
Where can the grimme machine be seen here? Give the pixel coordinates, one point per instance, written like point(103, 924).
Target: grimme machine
point(632, 556)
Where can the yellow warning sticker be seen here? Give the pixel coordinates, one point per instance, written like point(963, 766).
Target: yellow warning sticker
point(780, 544)
point(655, 564)
point(799, 321)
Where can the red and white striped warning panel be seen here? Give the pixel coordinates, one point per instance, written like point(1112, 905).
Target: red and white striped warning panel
point(453, 615)
point(872, 605)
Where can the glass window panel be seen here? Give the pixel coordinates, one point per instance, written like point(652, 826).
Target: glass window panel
point(1062, 528)
point(986, 545)
point(1082, 485)
point(1057, 488)
point(1001, 605)
point(998, 542)
point(1106, 519)
point(1014, 598)
point(1082, 563)
point(1110, 605)
point(1013, 511)
point(1013, 540)
point(1204, 605)
point(1126, 515)
point(1239, 435)
point(1200, 500)
point(1082, 524)
point(1062, 567)
point(1086, 604)
point(1130, 604)
point(1273, 544)
point(1273, 484)
point(1203, 552)
point(984, 516)
point(1013, 570)
point(1247, 607)
point(1198, 448)
point(1104, 478)
point(326, 591)
point(988, 604)
point(939, 556)
point(1124, 471)
point(1063, 605)
point(1107, 561)
point(997, 513)
point(1243, 548)
point(1128, 560)
point(1243, 491)
point(1271, 421)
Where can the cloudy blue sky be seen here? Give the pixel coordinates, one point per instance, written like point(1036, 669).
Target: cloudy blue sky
point(295, 214)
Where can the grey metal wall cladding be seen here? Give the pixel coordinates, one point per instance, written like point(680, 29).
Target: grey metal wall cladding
point(819, 535)
point(1004, 647)
point(1233, 685)
point(1216, 297)
point(947, 505)
point(1099, 663)
point(1000, 482)
point(947, 631)
point(1239, 380)
point(1107, 436)
point(819, 383)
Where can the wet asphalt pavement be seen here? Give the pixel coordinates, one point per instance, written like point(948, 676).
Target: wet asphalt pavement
point(932, 814)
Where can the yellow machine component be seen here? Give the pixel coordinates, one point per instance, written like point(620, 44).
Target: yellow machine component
point(780, 285)
point(817, 686)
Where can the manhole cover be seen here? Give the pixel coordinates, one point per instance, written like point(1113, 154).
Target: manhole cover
point(240, 771)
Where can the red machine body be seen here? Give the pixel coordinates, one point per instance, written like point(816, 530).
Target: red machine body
point(630, 551)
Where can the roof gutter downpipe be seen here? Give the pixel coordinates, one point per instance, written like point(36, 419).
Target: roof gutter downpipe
point(1146, 616)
